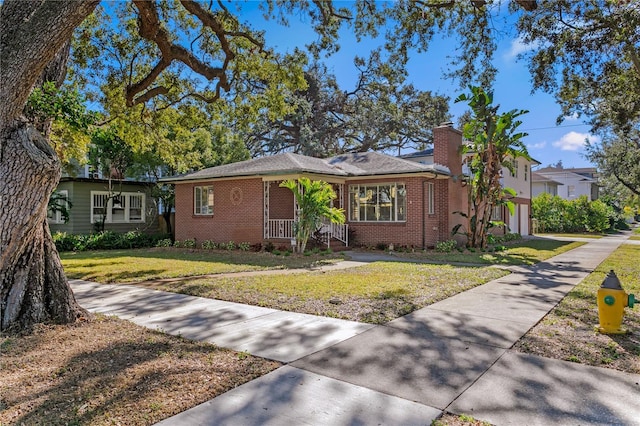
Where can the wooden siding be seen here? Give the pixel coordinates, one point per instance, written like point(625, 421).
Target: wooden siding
point(80, 212)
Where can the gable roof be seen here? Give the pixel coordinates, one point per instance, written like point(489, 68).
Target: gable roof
point(538, 178)
point(345, 165)
point(586, 174)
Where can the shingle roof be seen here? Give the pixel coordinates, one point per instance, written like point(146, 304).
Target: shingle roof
point(354, 164)
point(537, 177)
point(424, 153)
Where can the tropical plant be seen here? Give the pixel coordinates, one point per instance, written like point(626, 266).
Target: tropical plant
point(314, 204)
point(492, 141)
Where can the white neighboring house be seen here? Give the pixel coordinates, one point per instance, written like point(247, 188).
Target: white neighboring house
point(541, 184)
point(574, 182)
point(520, 181)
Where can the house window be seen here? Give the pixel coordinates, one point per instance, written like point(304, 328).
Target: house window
point(378, 203)
point(123, 207)
point(496, 213)
point(571, 191)
point(526, 172)
point(514, 165)
point(203, 200)
point(431, 203)
point(61, 200)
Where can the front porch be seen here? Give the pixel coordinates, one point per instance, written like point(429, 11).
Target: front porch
point(281, 213)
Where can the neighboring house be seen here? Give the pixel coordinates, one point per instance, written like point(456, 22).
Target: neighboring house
point(541, 184)
point(520, 181)
point(386, 199)
point(574, 182)
point(130, 209)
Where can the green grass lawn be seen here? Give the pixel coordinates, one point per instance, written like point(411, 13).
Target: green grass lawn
point(145, 264)
point(570, 235)
point(375, 293)
point(526, 252)
point(568, 332)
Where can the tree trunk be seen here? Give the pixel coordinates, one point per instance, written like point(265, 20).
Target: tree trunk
point(33, 287)
point(166, 215)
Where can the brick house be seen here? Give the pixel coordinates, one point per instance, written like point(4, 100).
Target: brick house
point(386, 199)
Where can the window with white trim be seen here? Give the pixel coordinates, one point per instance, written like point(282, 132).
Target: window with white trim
point(203, 200)
point(496, 213)
point(378, 203)
point(124, 207)
point(431, 200)
point(55, 215)
point(514, 172)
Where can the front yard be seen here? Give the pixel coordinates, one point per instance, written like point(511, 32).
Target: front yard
point(132, 266)
point(87, 374)
point(112, 372)
point(568, 331)
point(374, 293)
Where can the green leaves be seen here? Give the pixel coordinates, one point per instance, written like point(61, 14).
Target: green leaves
point(493, 144)
point(64, 104)
point(314, 204)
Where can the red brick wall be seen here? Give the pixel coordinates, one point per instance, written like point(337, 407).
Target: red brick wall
point(280, 202)
point(237, 219)
point(415, 231)
point(446, 151)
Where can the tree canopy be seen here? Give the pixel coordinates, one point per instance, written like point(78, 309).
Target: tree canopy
point(378, 114)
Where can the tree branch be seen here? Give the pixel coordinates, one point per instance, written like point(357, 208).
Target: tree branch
point(528, 5)
point(149, 28)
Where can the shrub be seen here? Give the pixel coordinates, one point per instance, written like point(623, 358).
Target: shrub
point(209, 245)
point(268, 246)
point(64, 241)
point(106, 240)
point(165, 242)
point(230, 245)
point(446, 246)
point(188, 243)
point(244, 246)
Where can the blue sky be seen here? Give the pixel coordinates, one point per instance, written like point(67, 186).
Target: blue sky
point(547, 142)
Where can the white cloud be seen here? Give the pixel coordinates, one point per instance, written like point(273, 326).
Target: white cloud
point(574, 141)
point(572, 117)
point(538, 145)
point(517, 47)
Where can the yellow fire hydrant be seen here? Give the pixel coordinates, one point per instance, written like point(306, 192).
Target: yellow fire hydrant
point(612, 300)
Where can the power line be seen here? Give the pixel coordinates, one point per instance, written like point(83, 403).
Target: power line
point(556, 127)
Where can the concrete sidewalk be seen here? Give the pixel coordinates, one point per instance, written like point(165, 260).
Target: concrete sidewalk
point(453, 355)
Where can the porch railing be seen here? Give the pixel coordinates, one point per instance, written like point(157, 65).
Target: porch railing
point(334, 230)
point(280, 229)
point(283, 229)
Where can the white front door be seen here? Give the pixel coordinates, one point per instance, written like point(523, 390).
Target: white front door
point(524, 219)
point(513, 219)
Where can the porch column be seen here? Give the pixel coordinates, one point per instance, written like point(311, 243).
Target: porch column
point(296, 206)
point(265, 197)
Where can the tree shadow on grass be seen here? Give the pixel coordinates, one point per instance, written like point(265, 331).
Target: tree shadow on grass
point(136, 378)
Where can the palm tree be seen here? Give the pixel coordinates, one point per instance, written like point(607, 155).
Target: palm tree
point(314, 203)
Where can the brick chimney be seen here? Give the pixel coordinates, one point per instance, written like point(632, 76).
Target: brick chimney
point(446, 147)
point(446, 151)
